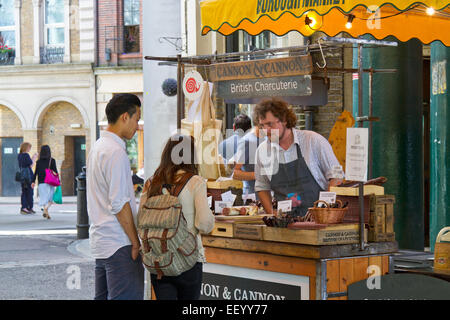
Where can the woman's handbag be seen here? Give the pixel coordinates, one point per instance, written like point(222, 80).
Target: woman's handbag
point(51, 177)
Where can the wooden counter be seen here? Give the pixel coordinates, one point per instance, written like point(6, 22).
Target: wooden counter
point(324, 271)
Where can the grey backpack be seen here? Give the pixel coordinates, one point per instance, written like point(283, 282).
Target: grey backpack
point(168, 247)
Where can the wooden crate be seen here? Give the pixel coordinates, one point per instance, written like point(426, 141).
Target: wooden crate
point(249, 231)
point(352, 215)
point(381, 221)
point(354, 191)
point(223, 229)
point(381, 237)
point(332, 234)
point(238, 229)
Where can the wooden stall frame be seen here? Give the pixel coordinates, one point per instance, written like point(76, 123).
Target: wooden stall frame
point(206, 60)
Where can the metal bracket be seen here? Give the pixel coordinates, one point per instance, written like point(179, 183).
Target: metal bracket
point(367, 118)
point(173, 41)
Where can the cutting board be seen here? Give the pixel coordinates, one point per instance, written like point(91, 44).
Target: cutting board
point(258, 217)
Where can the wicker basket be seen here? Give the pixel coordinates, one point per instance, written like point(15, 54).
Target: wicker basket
point(327, 215)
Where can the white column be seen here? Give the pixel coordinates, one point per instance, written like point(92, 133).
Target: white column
point(191, 25)
point(67, 58)
point(37, 28)
point(17, 9)
point(160, 19)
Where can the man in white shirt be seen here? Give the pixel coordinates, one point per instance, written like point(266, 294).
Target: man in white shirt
point(119, 273)
point(294, 164)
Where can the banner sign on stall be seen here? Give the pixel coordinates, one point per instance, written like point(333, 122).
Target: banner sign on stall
point(357, 150)
point(192, 85)
point(223, 282)
point(270, 87)
point(258, 69)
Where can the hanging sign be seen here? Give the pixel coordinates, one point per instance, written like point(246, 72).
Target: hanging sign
point(192, 85)
point(266, 87)
point(357, 150)
point(263, 68)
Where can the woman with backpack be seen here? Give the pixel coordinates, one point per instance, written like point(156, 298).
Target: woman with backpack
point(46, 190)
point(178, 174)
point(25, 165)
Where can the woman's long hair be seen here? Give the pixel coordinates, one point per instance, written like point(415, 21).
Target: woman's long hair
point(24, 147)
point(45, 152)
point(178, 154)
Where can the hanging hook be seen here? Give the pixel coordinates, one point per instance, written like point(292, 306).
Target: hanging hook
point(307, 47)
point(323, 57)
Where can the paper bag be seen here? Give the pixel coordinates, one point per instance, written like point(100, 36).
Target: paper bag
point(206, 133)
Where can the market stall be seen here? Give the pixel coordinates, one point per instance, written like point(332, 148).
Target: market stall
point(255, 256)
point(323, 257)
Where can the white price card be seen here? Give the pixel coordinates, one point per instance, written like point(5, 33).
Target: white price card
point(329, 197)
point(210, 201)
point(228, 197)
point(251, 196)
point(219, 205)
point(356, 157)
point(285, 206)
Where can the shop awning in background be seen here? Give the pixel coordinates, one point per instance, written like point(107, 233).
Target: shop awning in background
point(427, 20)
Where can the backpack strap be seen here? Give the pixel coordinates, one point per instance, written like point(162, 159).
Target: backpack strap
point(180, 185)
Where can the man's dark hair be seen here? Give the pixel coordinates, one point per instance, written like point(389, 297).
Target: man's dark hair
point(121, 103)
point(242, 121)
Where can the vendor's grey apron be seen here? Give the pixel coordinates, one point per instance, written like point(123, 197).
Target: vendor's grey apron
point(295, 177)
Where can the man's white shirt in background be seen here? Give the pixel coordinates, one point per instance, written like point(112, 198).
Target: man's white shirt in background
point(108, 187)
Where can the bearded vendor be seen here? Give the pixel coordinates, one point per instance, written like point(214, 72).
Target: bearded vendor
point(294, 164)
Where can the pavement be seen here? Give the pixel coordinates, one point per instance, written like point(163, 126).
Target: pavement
point(79, 247)
point(16, 200)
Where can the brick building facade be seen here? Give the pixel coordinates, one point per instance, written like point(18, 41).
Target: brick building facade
point(119, 61)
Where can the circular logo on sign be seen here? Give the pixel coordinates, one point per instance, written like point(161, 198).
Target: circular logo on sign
point(192, 85)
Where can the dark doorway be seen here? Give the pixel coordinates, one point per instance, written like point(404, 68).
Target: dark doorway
point(79, 157)
point(10, 150)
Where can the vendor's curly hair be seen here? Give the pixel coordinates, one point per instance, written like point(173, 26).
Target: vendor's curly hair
point(279, 109)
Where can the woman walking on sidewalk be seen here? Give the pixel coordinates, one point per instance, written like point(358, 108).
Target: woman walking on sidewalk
point(25, 165)
point(46, 191)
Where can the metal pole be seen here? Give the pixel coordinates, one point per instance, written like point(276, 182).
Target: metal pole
point(82, 214)
point(179, 91)
point(360, 125)
point(370, 123)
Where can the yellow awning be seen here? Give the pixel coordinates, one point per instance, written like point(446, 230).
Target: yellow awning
point(404, 19)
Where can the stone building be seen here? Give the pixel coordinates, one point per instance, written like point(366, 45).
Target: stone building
point(61, 61)
point(47, 85)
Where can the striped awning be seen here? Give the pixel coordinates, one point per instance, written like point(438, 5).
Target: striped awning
point(427, 20)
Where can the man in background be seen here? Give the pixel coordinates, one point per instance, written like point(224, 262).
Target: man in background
point(228, 147)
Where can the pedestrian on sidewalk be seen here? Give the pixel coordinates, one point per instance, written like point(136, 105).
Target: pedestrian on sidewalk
point(46, 191)
point(25, 164)
point(111, 202)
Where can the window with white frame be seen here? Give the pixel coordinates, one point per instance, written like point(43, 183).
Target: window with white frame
point(7, 25)
point(131, 22)
point(54, 23)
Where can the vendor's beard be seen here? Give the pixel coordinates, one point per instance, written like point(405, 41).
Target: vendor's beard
point(278, 137)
